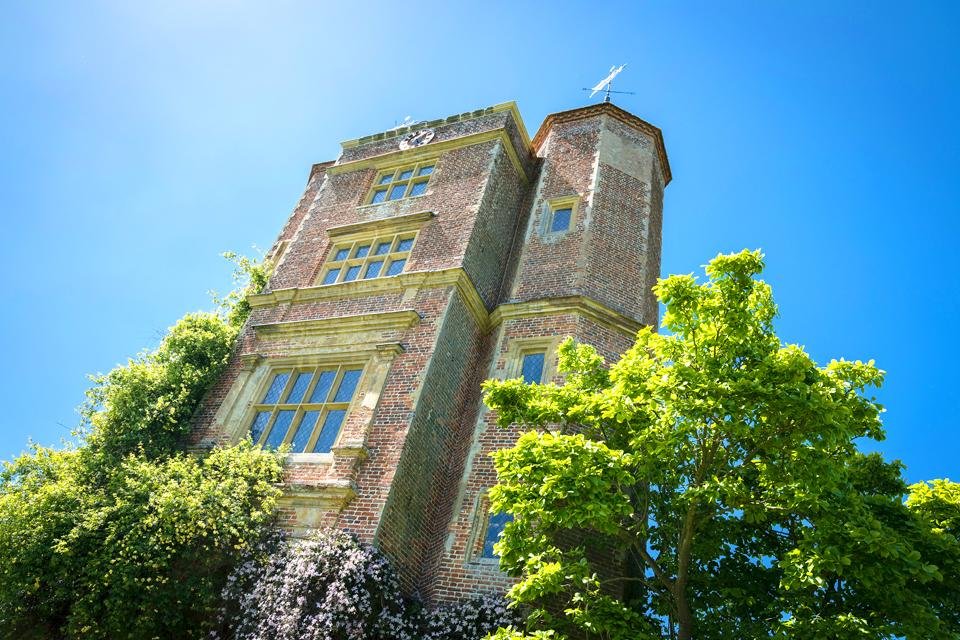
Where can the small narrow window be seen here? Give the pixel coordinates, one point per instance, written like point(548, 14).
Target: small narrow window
point(532, 367)
point(494, 529)
point(560, 215)
point(561, 219)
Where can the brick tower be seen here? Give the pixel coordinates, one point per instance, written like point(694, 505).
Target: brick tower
point(419, 263)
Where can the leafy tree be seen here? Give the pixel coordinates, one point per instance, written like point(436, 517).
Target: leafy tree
point(126, 535)
point(708, 485)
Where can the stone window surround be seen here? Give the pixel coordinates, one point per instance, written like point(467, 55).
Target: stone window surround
point(519, 347)
point(571, 202)
point(478, 533)
point(394, 169)
point(368, 230)
point(303, 405)
point(393, 254)
point(236, 411)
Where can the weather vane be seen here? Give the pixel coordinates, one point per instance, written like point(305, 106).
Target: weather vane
point(407, 122)
point(605, 84)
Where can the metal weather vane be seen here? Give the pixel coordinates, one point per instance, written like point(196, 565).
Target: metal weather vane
point(605, 84)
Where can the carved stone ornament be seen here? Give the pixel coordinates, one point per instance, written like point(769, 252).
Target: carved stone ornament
point(417, 139)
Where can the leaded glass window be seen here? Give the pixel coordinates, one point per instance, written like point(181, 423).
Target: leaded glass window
point(371, 258)
point(403, 182)
point(532, 367)
point(305, 407)
point(560, 220)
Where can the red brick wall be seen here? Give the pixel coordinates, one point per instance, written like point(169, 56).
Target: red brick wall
point(458, 573)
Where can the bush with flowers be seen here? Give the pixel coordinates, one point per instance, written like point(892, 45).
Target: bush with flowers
point(331, 587)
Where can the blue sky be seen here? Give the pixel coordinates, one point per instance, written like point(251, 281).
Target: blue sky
point(139, 140)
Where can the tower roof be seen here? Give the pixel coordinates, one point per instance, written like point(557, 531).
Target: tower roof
point(610, 109)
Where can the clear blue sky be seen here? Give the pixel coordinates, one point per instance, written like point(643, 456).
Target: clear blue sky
point(139, 140)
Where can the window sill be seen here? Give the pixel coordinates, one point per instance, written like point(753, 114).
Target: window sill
point(485, 562)
point(371, 205)
point(309, 458)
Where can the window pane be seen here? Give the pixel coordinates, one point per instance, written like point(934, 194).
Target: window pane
point(362, 251)
point(382, 248)
point(341, 254)
point(330, 431)
point(331, 276)
point(533, 367)
point(322, 390)
point(405, 245)
point(396, 267)
point(425, 171)
point(418, 188)
point(299, 388)
point(307, 423)
point(279, 430)
point(276, 388)
point(494, 528)
point(348, 385)
point(396, 192)
point(406, 174)
point(351, 273)
point(379, 196)
point(259, 424)
point(561, 220)
point(373, 269)
point(386, 179)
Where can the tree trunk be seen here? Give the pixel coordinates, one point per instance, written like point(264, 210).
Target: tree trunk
point(684, 617)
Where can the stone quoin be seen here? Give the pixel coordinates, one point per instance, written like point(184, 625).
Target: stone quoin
point(422, 261)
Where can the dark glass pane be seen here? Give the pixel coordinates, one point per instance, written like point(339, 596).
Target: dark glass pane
point(561, 220)
point(418, 189)
point(341, 254)
point(272, 396)
point(302, 436)
point(405, 245)
point(330, 431)
point(406, 174)
point(348, 385)
point(352, 273)
point(362, 252)
point(494, 529)
point(396, 192)
point(425, 171)
point(299, 388)
point(373, 269)
point(259, 424)
point(386, 179)
point(379, 196)
point(331, 276)
point(533, 367)
point(279, 430)
point(322, 390)
point(382, 248)
point(396, 267)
